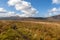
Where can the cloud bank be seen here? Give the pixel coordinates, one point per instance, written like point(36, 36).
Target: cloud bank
point(25, 7)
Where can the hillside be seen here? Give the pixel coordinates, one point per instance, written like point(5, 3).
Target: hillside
point(29, 30)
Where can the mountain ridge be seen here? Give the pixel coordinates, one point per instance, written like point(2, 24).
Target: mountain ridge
point(57, 17)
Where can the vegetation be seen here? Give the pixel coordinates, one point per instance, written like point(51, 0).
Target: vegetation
point(17, 30)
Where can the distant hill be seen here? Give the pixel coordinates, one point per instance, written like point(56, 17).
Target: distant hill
point(21, 18)
point(52, 18)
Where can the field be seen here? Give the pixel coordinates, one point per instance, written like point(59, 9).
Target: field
point(29, 30)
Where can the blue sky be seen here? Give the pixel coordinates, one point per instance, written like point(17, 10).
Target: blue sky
point(44, 7)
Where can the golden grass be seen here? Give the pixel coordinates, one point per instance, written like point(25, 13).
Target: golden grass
point(20, 30)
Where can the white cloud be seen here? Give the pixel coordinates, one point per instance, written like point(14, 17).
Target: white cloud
point(2, 10)
point(53, 11)
point(23, 6)
point(56, 1)
point(13, 2)
point(5, 13)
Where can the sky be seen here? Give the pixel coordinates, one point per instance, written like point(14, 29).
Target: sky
point(29, 8)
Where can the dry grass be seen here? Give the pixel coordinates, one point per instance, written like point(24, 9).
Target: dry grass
point(23, 30)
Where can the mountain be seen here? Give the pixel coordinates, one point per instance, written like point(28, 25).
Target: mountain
point(10, 18)
point(21, 18)
point(52, 18)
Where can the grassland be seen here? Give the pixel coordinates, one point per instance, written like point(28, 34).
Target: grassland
point(29, 30)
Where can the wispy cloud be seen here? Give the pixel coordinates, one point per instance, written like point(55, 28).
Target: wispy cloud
point(53, 11)
point(5, 13)
point(25, 7)
point(2, 10)
point(56, 1)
